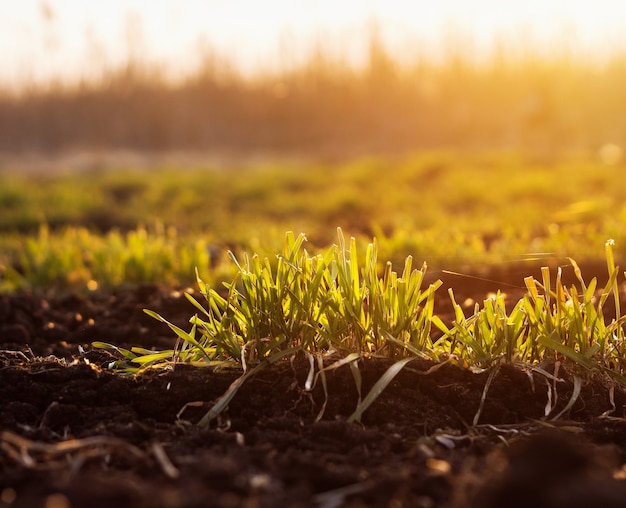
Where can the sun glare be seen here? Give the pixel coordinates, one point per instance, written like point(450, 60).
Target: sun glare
point(54, 38)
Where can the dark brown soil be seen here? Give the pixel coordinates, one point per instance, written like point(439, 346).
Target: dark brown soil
point(74, 434)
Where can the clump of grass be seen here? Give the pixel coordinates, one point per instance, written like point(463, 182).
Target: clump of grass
point(321, 305)
point(76, 258)
point(335, 310)
point(551, 322)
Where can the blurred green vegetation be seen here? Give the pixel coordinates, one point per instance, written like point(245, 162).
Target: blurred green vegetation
point(452, 210)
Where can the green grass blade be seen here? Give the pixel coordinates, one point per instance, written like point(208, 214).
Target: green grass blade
point(378, 388)
point(154, 357)
point(124, 352)
point(225, 399)
point(566, 351)
point(572, 400)
point(358, 380)
point(197, 304)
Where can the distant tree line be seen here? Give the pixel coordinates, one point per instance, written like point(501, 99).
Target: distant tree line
point(534, 102)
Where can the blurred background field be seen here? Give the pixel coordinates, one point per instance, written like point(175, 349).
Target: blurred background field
point(360, 78)
point(461, 152)
point(454, 211)
point(546, 104)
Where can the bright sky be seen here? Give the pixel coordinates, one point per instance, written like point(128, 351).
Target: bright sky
point(39, 39)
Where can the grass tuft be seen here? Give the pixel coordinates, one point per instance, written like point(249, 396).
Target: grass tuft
point(338, 307)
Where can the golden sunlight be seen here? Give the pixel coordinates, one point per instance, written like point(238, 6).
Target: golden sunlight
point(57, 38)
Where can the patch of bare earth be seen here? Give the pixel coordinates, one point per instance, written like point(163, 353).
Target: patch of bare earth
point(76, 435)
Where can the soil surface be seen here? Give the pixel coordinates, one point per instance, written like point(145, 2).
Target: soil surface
point(75, 434)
